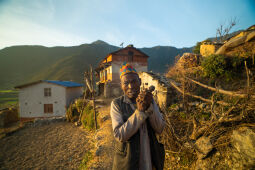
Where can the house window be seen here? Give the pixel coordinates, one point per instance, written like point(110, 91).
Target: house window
point(130, 56)
point(48, 108)
point(47, 92)
point(105, 75)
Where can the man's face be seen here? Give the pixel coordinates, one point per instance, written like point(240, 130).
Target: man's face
point(130, 84)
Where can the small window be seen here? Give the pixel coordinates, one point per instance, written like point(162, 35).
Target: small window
point(105, 75)
point(47, 92)
point(130, 53)
point(48, 108)
point(130, 56)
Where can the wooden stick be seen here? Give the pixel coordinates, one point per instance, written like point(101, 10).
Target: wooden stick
point(248, 78)
point(231, 93)
point(195, 96)
point(93, 95)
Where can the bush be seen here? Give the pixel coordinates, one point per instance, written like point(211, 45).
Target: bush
point(72, 114)
point(196, 49)
point(220, 66)
point(79, 103)
point(87, 118)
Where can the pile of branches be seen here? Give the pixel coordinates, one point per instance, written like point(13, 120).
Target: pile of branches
point(185, 134)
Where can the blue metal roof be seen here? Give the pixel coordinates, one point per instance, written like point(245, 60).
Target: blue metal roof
point(64, 83)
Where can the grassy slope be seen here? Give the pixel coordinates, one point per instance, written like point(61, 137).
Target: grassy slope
point(72, 67)
point(18, 64)
point(8, 97)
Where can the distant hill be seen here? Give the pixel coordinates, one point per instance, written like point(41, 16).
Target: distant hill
point(22, 64)
point(161, 57)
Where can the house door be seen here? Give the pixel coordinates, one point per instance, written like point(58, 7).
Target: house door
point(101, 89)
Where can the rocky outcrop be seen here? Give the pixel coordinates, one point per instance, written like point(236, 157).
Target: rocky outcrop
point(240, 154)
point(244, 143)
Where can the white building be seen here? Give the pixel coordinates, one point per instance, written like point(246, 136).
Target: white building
point(47, 98)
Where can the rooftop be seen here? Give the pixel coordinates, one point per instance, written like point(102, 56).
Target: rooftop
point(64, 83)
point(57, 82)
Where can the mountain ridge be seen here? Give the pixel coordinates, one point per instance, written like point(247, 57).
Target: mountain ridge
point(26, 63)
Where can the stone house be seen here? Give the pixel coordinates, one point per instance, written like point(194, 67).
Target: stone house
point(47, 98)
point(209, 48)
point(108, 69)
point(164, 93)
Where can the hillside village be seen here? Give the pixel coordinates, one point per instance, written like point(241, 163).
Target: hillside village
point(207, 99)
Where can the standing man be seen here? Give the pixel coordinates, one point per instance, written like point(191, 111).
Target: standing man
point(135, 120)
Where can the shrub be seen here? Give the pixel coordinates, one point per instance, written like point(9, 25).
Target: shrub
point(79, 103)
point(196, 49)
point(72, 113)
point(87, 118)
point(220, 66)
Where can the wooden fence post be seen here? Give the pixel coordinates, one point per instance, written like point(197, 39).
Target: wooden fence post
point(93, 95)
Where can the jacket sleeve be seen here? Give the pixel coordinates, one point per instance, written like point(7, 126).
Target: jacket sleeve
point(122, 131)
point(156, 118)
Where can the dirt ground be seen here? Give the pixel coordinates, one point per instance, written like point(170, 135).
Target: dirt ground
point(58, 145)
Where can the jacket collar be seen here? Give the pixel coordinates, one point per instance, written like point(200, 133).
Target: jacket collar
point(127, 100)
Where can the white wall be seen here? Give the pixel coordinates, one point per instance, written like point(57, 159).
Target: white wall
point(32, 100)
point(73, 93)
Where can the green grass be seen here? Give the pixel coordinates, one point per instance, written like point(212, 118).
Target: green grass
point(86, 158)
point(8, 98)
point(87, 118)
point(7, 91)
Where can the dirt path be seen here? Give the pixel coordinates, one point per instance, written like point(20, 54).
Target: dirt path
point(59, 145)
point(103, 141)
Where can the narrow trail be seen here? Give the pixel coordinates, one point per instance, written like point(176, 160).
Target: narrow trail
point(59, 145)
point(103, 140)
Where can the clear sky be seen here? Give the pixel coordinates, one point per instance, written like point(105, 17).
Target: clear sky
point(144, 23)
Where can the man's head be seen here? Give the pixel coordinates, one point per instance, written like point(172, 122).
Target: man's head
point(130, 81)
point(130, 84)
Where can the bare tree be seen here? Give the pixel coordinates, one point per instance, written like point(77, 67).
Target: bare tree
point(223, 30)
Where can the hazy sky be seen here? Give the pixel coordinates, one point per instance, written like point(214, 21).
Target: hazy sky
point(144, 23)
